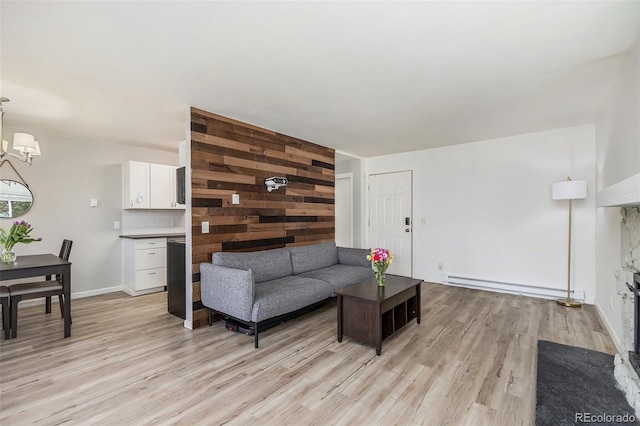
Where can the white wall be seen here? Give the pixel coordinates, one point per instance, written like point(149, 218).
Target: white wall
point(617, 158)
point(618, 129)
point(488, 211)
point(63, 179)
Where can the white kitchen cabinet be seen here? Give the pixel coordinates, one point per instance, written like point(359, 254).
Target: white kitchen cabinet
point(149, 186)
point(162, 186)
point(144, 265)
point(135, 185)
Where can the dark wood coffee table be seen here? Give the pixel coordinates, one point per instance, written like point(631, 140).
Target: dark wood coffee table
point(370, 314)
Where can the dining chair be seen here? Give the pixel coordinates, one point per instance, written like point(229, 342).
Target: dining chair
point(4, 299)
point(35, 290)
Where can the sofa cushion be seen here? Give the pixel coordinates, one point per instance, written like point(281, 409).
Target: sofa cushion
point(315, 256)
point(340, 276)
point(287, 294)
point(266, 265)
point(354, 256)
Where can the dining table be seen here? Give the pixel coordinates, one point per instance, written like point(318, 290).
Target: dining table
point(37, 265)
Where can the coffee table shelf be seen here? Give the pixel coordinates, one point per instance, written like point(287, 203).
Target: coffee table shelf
point(399, 316)
point(371, 314)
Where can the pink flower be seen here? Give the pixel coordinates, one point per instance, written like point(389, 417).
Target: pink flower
point(381, 259)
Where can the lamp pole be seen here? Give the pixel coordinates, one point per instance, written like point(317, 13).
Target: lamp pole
point(568, 302)
point(569, 190)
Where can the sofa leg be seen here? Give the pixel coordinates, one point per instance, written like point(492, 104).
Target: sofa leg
point(255, 335)
point(209, 317)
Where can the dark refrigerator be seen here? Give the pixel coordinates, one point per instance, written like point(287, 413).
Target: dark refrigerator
point(176, 277)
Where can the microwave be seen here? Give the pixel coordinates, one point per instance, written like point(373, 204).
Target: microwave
point(180, 185)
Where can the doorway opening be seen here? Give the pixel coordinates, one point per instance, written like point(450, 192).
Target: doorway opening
point(344, 210)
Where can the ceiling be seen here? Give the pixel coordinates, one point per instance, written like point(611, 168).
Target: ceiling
point(366, 78)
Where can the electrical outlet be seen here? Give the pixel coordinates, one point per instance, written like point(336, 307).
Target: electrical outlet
point(116, 225)
point(205, 227)
point(440, 266)
point(235, 199)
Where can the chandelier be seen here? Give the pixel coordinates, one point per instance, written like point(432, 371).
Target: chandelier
point(26, 145)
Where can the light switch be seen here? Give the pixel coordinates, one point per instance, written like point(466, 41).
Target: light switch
point(205, 227)
point(93, 202)
point(116, 225)
point(235, 199)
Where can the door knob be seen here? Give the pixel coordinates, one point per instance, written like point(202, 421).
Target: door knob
point(407, 230)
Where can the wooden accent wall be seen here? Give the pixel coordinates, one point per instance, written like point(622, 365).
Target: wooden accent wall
point(230, 157)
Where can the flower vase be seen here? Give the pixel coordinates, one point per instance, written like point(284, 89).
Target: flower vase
point(380, 279)
point(8, 256)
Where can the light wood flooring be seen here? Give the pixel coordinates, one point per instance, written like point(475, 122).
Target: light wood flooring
point(472, 361)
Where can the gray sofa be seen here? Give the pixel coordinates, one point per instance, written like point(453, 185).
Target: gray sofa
point(264, 287)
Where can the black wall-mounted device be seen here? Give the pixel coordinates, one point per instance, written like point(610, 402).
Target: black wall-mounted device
point(180, 185)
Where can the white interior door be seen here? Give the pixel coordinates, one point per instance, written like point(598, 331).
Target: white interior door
point(344, 210)
point(390, 223)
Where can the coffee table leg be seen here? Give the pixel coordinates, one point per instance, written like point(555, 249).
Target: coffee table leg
point(418, 303)
point(339, 318)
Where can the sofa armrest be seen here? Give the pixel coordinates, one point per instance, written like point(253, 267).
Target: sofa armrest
point(227, 290)
point(353, 256)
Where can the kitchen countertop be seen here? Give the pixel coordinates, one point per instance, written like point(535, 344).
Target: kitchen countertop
point(139, 233)
point(160, 235)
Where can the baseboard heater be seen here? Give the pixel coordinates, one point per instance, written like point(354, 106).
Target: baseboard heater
point(512, 288)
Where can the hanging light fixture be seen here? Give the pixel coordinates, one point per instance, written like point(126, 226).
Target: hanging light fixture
point(26, 145)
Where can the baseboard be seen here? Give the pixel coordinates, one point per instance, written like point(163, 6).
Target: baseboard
point(142, 292)
point(128, 291)
point(98, 292)
point(76, 295)
point(607, 325)
point(512, 288)
point(188, 324)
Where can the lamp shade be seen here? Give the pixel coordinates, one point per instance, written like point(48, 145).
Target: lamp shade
point(569, 190)
point(24, 142)
point(37, 151)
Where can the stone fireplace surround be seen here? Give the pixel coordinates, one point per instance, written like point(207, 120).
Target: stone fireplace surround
point(625, 374)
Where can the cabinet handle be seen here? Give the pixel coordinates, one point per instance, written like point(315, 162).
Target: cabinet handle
point(152, 273)
point(151, 254)
point(151, 244)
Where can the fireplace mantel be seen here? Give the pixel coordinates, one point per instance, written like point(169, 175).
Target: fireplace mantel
point(622, 194)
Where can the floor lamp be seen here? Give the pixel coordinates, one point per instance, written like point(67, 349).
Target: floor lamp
point(569, 190)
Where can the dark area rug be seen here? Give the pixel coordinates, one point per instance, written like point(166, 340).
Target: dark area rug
point(576, 386)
